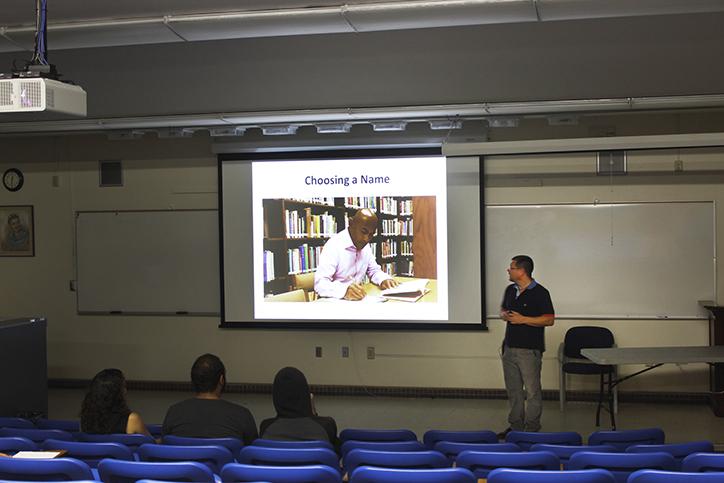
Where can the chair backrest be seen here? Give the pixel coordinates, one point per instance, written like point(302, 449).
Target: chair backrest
point(232, 444)
point(133, 441)
point(58, 469)
point(585, 337)
point(526, 439)
point(482, 463)
point(678, 450)
point(629, 437)
point(273, 443)
point(156, 430)
point(291, 296)
point(395, 459)
point(435, 435)
point(9, 422)
point(13, 444)
point(280, 474)
point(259, 455)
point(37, 435)
point(564, 452)
point(452, 449)
point(348, 446)
point(377, 435)
point(370, 474)
point(117, 471)
point(90, 453)
point(656, 476)
point(703, 462)
point(507, 475)
point(62, 424)
point(215, 457)
point(621, 465)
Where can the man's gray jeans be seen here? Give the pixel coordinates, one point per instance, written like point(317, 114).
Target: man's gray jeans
point(521, 370)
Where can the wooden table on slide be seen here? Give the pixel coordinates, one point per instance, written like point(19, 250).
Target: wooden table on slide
point(652, 357)
point(430, 296)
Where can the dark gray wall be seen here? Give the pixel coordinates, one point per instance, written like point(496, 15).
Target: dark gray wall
point(642, 56)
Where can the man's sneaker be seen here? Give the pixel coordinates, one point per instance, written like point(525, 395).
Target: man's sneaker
point(503, 434)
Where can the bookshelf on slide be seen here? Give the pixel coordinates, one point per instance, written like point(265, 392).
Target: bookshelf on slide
point(295, 231)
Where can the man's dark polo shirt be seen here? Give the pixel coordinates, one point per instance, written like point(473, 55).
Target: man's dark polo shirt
point(534, 301)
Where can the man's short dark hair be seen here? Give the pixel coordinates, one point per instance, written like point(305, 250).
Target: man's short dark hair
point(205, 373)
point(524, 262)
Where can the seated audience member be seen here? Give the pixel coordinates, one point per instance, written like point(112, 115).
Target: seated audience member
point(207, 415)
point(296, 419)
point(105, 409)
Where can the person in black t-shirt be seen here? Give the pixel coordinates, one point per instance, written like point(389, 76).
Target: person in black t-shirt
point(527, 309)
point(207, 415)
point(105, 409)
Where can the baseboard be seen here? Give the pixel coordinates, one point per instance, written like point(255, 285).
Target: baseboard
point(404, 391)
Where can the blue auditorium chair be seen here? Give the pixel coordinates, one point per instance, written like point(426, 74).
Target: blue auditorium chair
point(348, 446)
point(259, 455)
point(36, 435)
point(273, 443)
point(235, 472)
point(117, 471)
point(8, 422)
point(371, 474)
point(156, 430)
point(625, 438)
point(507, 475)
point(70, 426)
point(232, 444)
point(58, 469)
point(434, 435)
point(377, 435)
point(132, 441)
point(215, 457)
point(564, 452)
point(13, 444)
point(703, 462)
point(678, 450)
point(482, 463)
point(526, 439)
point(452, 449)
point(90, 453)
point(395, 459)
point(656, 476)
point(621, 465)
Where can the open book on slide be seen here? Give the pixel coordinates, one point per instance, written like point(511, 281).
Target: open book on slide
point(407, 291)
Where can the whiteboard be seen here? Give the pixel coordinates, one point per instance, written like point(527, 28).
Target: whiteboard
point(627, 260)
point(148, 262)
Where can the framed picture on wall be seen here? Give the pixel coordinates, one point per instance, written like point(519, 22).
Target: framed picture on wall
point(17, 231)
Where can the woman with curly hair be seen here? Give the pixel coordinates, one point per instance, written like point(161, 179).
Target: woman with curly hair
point(105, 409)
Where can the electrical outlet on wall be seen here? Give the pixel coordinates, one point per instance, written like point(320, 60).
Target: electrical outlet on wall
point(370, 352)
point(318, 351)
point(345, 351)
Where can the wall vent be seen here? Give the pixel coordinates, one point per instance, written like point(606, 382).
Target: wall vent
point(110, 173)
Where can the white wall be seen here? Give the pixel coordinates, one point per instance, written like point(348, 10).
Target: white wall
point(182, 174)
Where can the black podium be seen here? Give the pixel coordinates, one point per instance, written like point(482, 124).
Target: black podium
point(23, 368)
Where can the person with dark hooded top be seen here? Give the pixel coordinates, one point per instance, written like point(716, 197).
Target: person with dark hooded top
point(105, 409)
point(296, 418)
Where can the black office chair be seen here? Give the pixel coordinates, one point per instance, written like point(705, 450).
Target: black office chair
point(571, 361)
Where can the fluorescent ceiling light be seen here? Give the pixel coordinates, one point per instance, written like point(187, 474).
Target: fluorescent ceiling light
point(281, 130)
point(184, 132)
point(227, 131)
point(333, 128)
point(503, 121)
point(381, 126)
point(445, 124)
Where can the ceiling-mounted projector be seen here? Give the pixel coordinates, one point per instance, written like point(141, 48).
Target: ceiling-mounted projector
point(41, 95)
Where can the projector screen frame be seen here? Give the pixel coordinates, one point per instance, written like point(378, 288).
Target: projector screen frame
point(337, 153)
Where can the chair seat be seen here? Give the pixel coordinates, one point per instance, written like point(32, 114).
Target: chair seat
point(582, 368)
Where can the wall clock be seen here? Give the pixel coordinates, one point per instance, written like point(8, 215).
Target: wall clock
point(13, 179)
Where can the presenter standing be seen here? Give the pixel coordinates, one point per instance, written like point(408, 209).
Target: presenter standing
point(527, 309)
point(346, 259)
